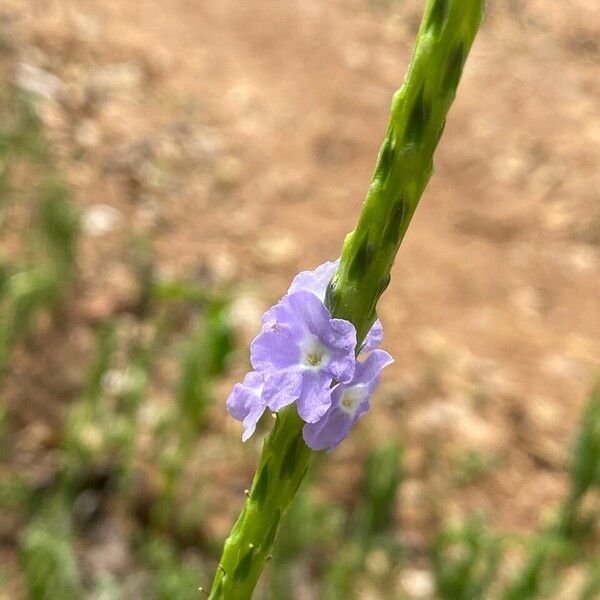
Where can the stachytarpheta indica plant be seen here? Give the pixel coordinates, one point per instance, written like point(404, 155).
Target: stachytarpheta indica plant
point(317, 359)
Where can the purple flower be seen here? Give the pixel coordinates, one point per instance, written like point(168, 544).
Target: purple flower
point(374, 338)
point(300, 351)
point(245, 402)
point(349, 402)
point(316, 283)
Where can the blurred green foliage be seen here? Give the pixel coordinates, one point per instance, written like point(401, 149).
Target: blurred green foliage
point(591, 586)
point(473, 465)
point(382, 476)
point(38, 280)
point(47, 553)
point(465, 560)
point(204, 357)
point(337, 542)
point(566, 539)
point(585, 459)
point(172, 575)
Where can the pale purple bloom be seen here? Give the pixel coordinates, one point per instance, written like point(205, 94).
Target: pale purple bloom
point(349, 402)
point(245, 403)
point(374, 338)
point(300, 351)
point(316, 283)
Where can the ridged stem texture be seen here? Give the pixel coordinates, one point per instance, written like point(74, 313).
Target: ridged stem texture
point(404, 166)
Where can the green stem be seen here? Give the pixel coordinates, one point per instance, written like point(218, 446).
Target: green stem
point(405, 161)
point(283, 464)
point(403, 169)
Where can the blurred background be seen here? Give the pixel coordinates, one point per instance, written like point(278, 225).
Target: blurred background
point(165, 169)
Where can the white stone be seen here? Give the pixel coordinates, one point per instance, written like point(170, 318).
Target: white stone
point(38, 82)
point(100, 219)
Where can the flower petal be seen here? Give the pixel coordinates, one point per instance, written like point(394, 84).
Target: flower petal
point(374, 337)
point(282, 388)
point(368, 371)
point(237, 401)
point(329, 431)
point(281, 317)
point(251, 420)
point(315, 281)
point(274, 349)
point(341, 338)
point(315, 396)
point(309, 312)
point(245, 402)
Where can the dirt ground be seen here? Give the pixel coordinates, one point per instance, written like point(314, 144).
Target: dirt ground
point(240, 138)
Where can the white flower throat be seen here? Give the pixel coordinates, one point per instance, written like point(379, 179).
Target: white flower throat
point(314, 354)
point(352, 398)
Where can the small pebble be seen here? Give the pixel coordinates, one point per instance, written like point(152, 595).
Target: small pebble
point(100, 219)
